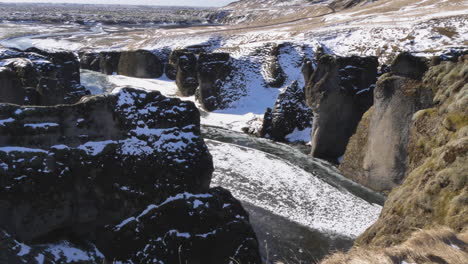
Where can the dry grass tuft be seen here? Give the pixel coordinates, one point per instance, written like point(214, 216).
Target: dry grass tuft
point(439, 245)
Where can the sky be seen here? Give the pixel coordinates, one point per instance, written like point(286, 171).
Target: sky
point(134, 2)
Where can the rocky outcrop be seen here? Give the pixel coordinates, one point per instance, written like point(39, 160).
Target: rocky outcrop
point(90, 61)
point(274, 74)
point(376, 155)
point(209, 228)
point(140, 64)
point(290, 113)
point(307, 70)
point(409, 66)
point(10, 87)
point(40, 77)
point(186, 73)
point(213, 69)
point(339, 93)
point(434, 190)
point(74, 171)
point(109, 62)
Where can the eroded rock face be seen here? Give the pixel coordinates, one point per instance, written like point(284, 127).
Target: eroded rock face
point(81, 172)
point(434, 192)
point(339, 93)
point(377, 154)
point(90, 61)
point(105, 157)
point(290, 113)
point(10, 87)
point(140, 64)
point(209, 228)
point(274, 74)
point(213, 69)
point(109, 62)
point(186, 73)
point(43, 77)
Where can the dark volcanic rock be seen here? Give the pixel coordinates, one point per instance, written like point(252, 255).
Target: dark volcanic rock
point(90, 61)
point(210, 228)
point(140, 64)
point(106, 156)
point(109, 62)
point(376, 155)
point(289, 113)
point(339, 92)
point(10, 87)
point(89, 172)
point(186, 76)
point(275, 76)
point(33, 65)
point(213, 69)
point(409, 66)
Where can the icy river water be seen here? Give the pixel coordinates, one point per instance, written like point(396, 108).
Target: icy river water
point(301, 208)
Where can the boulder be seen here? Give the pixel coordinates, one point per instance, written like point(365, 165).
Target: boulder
point(339, 93)
point(290, 113)
point(274, 74)
point(140, 64)
point(376, 156)
point(106, 156)
point(109, 62)
point(213, 69)
point(209, 228)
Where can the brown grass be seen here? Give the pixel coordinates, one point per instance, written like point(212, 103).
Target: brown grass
point(439, 245)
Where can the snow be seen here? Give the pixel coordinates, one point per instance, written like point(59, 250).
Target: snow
point(95, 147)
point(70, 253)
point(149, 208)
point(42, 125)
point(5, 121)
point(21, 149)
point(300, 135)
point(276, 185)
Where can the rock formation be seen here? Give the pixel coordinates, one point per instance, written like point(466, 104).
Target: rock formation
point(434, 190)
point(90, 61)
point(339, 93)
point(38, 77)
point(207, 228)
point(376, 155)
point(186, 73)
point(213, 69)
point(290, 113)
point(274, 74)
point(109, 62)
point(140, 64)
point(71, 171)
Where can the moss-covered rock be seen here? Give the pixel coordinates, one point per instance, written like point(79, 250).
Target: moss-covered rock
point(435, 190)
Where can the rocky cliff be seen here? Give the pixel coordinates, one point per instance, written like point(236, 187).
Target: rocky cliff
point(38, 77)
point(414, 142)
point(339, 93)
point(101, 170)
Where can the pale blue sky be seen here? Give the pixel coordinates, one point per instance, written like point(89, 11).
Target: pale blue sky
point(135, 2)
